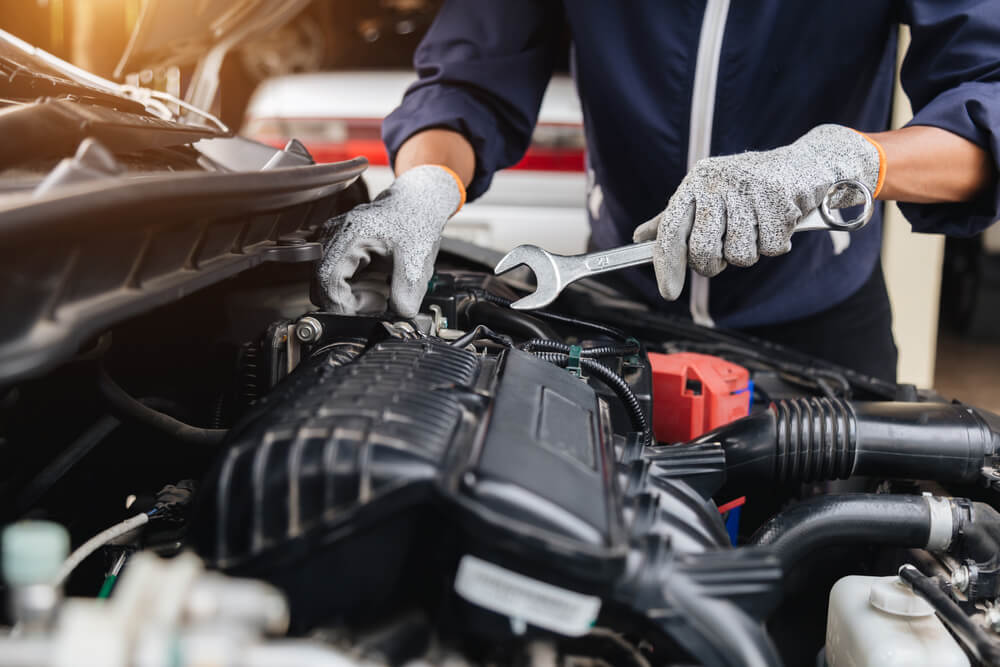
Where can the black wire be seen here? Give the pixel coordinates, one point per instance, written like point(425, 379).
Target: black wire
point(516, 323)
point(127, 407)
point(973, 636)
point(845, 385)
point(555, 317)
point(615, 382)
point(483, 331)
point(548, 345)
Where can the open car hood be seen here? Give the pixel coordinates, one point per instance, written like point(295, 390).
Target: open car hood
point(110, 205)
point(180, 32)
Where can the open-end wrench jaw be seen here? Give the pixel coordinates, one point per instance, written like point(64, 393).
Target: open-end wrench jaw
point(543, 264)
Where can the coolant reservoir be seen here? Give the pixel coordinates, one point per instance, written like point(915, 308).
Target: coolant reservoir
point(879, 621)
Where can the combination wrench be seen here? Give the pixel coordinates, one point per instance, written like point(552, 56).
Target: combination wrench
point(554, 272)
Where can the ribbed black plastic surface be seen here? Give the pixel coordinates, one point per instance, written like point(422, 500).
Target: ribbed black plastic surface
point(816, 439)
point(337, 435)
point(358, 489)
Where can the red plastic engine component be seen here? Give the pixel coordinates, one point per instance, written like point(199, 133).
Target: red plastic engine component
point(695, 393)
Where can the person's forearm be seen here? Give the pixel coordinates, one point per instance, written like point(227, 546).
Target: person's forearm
point(443, 147)
point(926, 165)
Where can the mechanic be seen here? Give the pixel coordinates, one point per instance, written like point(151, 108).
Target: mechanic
point(791, 96)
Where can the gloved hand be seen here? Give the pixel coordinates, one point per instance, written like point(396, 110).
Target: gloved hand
point(384, 252)
point(734, 208)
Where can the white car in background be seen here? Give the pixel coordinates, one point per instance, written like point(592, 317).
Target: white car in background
point(338, 115)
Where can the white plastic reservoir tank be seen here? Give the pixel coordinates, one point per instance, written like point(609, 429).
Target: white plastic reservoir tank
point(880, 621)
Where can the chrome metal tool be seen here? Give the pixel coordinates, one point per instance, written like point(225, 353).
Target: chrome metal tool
point(554, 272)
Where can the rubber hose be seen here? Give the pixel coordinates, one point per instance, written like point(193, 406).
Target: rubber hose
point(985, 649)
point(981, 536)
point(815, 439)
point(823, 521)
point(129, 408)
point(512, 322)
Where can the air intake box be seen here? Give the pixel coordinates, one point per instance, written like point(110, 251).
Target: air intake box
point(484, 488)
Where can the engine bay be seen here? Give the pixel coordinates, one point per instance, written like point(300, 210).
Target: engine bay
point(489, 486)
point(596, 483)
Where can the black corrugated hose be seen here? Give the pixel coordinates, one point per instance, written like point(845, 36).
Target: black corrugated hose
point(612, 380)
point(546, 345)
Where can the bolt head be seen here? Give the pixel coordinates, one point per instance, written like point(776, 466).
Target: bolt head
point(308, 330)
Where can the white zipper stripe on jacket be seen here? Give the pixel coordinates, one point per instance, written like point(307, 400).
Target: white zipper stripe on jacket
point(706, 76)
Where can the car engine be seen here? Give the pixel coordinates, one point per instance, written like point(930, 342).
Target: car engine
point(593, 484)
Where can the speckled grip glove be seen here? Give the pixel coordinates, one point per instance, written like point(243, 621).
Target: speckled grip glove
point(735, 208)
point(383, 253)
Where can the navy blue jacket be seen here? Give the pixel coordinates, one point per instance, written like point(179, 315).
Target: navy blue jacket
point(784, 67)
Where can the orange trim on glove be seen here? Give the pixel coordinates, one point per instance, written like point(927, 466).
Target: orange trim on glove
point(882, 163)
point(461, 186)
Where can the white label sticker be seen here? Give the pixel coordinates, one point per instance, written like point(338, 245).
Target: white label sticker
point(524, 599)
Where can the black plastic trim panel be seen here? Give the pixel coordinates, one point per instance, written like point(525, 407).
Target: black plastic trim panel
point(83, 258)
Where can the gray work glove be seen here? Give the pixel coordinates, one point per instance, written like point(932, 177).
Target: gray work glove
point(735, 208)
point(383, 253)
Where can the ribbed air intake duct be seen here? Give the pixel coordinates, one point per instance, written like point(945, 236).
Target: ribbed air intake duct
point(815, 439)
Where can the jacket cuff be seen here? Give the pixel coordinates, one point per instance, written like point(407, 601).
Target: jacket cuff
point(453, 109)
point(972, 111)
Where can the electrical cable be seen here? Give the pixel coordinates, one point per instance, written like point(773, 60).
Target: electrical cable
point(983, 647)
point(98, 541)
point(513, 322)
point(547, 345)
point(128, 407)
point(112, 576)
point(615, 382)
point(555, 317)
point(483, 331)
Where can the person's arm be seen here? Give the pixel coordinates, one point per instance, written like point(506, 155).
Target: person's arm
point(483, 67)
point(441, 147)
point(927, 165)
point(951, 74)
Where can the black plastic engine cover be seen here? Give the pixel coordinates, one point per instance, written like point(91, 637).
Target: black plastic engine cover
point(359, 489)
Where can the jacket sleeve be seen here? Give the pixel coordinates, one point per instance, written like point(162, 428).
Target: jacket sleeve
point(483, 67)
point(951, 74)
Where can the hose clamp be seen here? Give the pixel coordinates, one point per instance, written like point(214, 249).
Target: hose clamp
point(942, 523)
